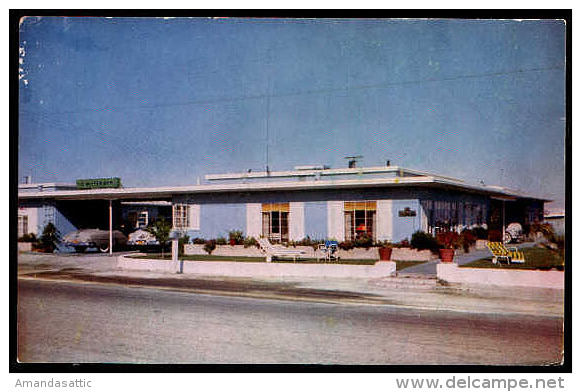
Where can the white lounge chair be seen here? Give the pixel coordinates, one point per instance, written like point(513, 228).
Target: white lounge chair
point(277, 251)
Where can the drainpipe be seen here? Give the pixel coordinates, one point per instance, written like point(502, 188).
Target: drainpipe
point(110, 227)
point(503, 221)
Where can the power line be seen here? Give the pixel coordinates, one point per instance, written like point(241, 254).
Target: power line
point(209, 101)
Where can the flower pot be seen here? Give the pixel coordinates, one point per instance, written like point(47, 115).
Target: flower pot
point(384, 253)
point(447, 255)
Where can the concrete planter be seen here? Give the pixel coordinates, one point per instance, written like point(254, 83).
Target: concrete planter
point(237, 251)
point(194, 249)
point(359, 254)
point(480, 244)
point(408, 254)
point(240, 251)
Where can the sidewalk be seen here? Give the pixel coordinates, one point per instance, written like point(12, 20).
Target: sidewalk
point(429, 268)
point(405, 290)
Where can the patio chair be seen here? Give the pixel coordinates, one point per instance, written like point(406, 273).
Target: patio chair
point(330, 250)
point(273, 252)
point(502, 254)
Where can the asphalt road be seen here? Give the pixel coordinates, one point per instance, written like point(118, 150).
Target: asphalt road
point(78, 323)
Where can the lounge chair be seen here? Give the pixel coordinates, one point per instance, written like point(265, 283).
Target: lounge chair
point(273, 252)
point(502, 254)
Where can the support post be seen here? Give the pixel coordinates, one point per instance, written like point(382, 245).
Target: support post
point(110, 227)
point(503, 221)
point(174, 237)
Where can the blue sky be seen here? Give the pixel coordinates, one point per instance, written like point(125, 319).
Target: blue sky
point(163, 102)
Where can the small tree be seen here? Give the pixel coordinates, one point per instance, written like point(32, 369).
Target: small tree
point(160, 229)
point(182, 241)
point(50, 237)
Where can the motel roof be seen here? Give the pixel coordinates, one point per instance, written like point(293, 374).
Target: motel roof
point(303, 178)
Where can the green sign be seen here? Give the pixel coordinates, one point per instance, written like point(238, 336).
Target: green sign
point(95, 183)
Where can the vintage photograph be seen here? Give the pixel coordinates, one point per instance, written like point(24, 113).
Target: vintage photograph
point(291, 191)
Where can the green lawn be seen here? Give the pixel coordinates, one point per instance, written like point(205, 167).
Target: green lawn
point(167, 256)
point(407, 263)
point(535, 258)
point(157, 256)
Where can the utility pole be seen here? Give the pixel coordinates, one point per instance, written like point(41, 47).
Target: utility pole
point(110, 227)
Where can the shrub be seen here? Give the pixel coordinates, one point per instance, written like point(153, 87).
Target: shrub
point(30, 237)
point(480, 233)
point(250, 241)
point(402, 244)
point(346, 245)
point(210, 245)
point(236, 237)
point(363, 241)
point(221, 241)
point(467, 239)
point(307, 241)
point(384, 244)
point(422, 240)
point(448, 240)
point(198, 241)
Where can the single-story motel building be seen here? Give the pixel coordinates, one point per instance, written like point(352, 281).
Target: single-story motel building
point(387, 203)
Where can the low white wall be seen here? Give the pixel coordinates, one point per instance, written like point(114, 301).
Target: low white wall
point(241, 251)
point(359, 254)
point(250, 269)
point(450, 272)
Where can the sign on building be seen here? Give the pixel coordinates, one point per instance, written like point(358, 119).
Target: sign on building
point(96, 183)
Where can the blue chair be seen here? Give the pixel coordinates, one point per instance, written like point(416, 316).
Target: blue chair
point(330, 250)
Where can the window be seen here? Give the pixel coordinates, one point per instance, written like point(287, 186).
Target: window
point(446, 215)
point(359, 219)
point(22, 225)
point(180, 216)
point(275, 221)
point(406, 212)
point(142, 219)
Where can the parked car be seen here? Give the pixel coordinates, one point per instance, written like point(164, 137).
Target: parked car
point(83, 239)
point(142, 240)
point(513, 233)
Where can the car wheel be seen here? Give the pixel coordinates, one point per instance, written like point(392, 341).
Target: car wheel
point(104, 248)
point(507, 238)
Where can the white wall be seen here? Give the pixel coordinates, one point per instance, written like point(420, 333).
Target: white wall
point(254, 219)
point(384, 220)
point(335, 220)
point(296, 221)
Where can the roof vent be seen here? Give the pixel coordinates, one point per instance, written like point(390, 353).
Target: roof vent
point(353, 160)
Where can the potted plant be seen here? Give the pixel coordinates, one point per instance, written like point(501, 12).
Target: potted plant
point(385, 249)
point(449, 241)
